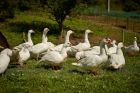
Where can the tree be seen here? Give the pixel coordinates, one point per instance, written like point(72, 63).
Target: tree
point(60, 9)
point(6, 9)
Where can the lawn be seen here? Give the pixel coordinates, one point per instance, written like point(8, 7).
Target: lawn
point(33, 78)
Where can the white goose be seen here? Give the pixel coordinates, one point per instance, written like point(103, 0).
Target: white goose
point(55, 58)
point(29, 42)
point(40, 47)
point(93, 60)
point(117, 59)
point(24, 55)
point(112, 49)
point(59, 47)
point(133, 48)
point(4, 59)
point(97, 48)
point(81, 46)
point(92, 51)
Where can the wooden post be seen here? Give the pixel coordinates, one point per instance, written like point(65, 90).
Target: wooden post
point(108, 4)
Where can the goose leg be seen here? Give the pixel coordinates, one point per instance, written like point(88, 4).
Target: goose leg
point(37, 57)
point(94, 72)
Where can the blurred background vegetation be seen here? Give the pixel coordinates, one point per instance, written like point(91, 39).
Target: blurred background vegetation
point(86, 7)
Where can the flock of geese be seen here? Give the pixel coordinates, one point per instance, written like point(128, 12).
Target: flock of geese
point(86, 56)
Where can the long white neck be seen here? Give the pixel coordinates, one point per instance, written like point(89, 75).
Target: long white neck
point(102, 48)
point(29, 37)
point(86, 38)
point(44, 37)
point(135, 43)
point(67, 38)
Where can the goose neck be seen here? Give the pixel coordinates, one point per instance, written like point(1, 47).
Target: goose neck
point(44, 37)
point(135, 43)
point(67, 38)
point(86, 38)
point(29, 37)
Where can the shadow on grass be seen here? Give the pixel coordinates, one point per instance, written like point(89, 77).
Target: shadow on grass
point(75, 71)
point(13, 65)
point(48, 67)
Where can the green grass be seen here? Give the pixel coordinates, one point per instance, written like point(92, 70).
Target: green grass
point(39, 78)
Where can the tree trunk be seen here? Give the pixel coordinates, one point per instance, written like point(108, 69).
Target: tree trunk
point(61, 31)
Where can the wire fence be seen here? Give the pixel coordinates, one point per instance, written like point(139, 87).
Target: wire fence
point(125, 23)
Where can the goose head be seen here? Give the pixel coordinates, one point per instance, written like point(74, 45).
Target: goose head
point(46, 30)
point(68, 44)
point(106, 40)
point(113, 42)
point(135, 38)
point(70, 32)
point(7, 51)
point(120, 45)
point(88, 31)
point(31, 31)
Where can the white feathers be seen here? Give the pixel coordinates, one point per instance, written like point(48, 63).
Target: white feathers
point(29, 42)
point(93, 59)
point(4, 59)
point(55, 57)
point(81, 46)
point(117, 59)
point(132, 48)
point(24, 55)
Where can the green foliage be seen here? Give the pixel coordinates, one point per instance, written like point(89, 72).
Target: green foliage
point(6, 10)
point(60, 9)
point(23, 5)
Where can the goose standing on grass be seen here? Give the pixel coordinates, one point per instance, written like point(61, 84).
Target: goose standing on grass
point(67, 40)
point(40, 47)
point(112, 49)
point(4, 59)
point(55, 58)
point(93, 60)
point(81, 46)
point(24, 55)
point(132, 48)
point(29, 42)
point(92, 51)
point(117, 59)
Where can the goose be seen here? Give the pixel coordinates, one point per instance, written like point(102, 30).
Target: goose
point(45, 38)
point(40, 47)
point(59, 47)
point(93, 60)
point(112, 49)
point(117, 59)
point(97, 48)
point(81, 46)
point(132, 48)
point(4, 59)
point(55, 58)
point(29, 42)
point(24, 55)
point(92, 51)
